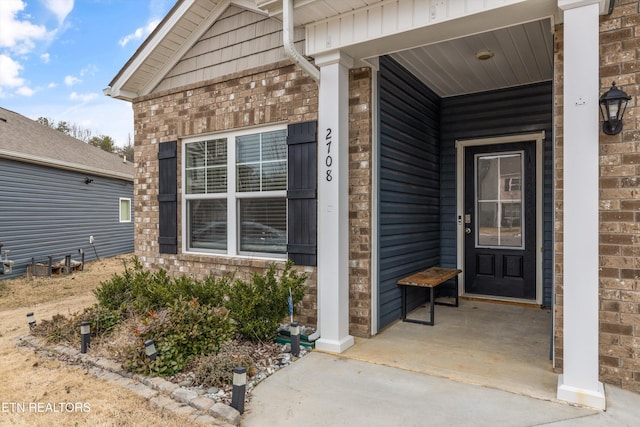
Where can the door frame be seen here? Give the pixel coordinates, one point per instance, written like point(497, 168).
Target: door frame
point(460, 145)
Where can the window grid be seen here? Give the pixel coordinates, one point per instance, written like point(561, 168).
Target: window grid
point(256, 210)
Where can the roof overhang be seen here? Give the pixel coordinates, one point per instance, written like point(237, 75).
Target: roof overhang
point(183, 26)
point(60, 164)
point(331, 25)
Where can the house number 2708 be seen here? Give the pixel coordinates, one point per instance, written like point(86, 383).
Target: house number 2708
point(328, 160)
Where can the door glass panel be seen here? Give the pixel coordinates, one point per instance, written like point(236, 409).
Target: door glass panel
point(499, 213)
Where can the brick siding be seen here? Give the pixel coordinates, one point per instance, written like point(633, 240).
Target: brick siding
point(558, 188)
point(619, 205)
point(360, 202)
point(280, 93)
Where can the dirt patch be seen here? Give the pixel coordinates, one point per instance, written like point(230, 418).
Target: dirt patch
point(37, 391)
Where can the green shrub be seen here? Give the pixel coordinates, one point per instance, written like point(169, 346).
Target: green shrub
point(162, 291)
point(184, 317)
point(210, 291)
point(180, 333)
point(139, 291)
point(259, 306)
point(118, 293)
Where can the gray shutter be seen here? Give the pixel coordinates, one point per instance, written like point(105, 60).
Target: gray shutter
point(168, 197)
point(301, 193)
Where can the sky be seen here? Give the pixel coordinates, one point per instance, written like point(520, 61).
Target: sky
point(57, 56)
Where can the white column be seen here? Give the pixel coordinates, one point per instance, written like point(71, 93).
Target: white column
point(579, 383)
point(333, 203)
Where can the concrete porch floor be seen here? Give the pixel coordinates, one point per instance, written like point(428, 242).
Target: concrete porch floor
point(505, 347)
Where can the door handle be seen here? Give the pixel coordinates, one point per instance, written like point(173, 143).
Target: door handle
point(467, 230)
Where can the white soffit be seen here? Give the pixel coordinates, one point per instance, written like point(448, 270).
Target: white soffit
point(522, 54)
point(394, 25)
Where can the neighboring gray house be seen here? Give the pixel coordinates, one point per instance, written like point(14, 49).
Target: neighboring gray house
point(56, 194)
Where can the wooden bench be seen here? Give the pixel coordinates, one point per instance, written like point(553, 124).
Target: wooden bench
point(429, 278)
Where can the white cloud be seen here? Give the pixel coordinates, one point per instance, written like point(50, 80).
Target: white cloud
point(10, 77)
point(45, 57)
point(25, 91)
point(84, 97)
point(139, 33)
point(18, 34)
point(60, 8)
point(9, 72)
point(71, 80)
point(52, 85)
point(89, 70)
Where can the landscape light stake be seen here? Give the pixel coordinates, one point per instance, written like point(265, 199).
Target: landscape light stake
point(31, 319)
point(239, 388)
point(295, 338)
point(85, 336)
point(150, 349)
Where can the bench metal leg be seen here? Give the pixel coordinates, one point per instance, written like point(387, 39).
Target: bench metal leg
point(432, 306)
point(432, 303)
point(451, 304)
point(403, 308)
point(403, 302)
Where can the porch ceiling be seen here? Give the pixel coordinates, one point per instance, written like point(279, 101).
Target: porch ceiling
point(442, 54)
point(522, 54)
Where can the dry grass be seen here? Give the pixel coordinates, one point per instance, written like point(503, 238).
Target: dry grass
point(30, 292)
point(29, 380)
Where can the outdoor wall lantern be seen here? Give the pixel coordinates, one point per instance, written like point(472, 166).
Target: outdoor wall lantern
point(613, 103)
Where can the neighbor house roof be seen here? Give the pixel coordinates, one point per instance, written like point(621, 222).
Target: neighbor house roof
point(26, 140)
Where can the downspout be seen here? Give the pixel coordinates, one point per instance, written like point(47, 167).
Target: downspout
point(287, 39)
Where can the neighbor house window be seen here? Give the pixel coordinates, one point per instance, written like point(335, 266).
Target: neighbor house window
point(125, 210)
point(235, 190)
point(512, 184)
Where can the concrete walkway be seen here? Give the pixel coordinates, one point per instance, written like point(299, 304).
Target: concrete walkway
point(327, 390)
point(481, 364)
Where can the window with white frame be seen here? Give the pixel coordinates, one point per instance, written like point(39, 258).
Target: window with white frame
point(125, 210)
point(235, 192)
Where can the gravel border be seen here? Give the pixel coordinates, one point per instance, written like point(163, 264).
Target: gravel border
point(163, 394)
